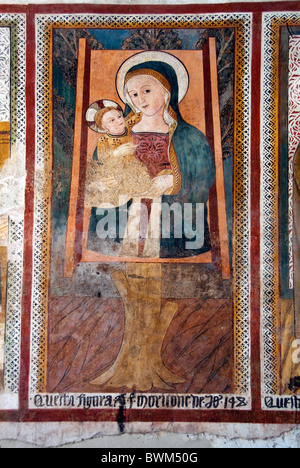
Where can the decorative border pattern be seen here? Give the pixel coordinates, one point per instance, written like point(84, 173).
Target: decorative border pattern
point(293, 135)
point(17, 113)
point(270, 363)
point(5, 74)
point(242, 22)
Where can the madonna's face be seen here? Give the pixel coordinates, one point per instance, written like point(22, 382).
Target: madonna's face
point(147, 95)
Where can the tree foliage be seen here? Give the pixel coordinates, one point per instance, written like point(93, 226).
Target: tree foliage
point(227, 128)
point(153, 39)
point(225, 61)
point(63, 123)
point(66, 51)
point(65, 54)
point(225, 53)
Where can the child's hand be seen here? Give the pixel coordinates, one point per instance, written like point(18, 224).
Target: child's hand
point(124, 150)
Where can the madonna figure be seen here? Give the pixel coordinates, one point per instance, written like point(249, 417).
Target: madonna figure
point(181, 168)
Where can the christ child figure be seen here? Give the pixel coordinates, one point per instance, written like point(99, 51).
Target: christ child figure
point(114, 173)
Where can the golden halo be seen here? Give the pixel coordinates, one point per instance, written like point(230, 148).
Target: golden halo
point(154, 56)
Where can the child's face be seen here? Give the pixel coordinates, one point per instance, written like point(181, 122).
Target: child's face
point(113, 122)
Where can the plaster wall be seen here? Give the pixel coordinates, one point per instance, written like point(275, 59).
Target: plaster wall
point(99, 435)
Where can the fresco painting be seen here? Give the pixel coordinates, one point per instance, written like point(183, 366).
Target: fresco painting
point(12, 189)
point(149, 190)
point(117, 323)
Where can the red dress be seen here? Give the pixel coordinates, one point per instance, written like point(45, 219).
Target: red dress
point(152, 151)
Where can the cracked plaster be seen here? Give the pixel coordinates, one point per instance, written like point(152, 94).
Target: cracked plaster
point(148, 435)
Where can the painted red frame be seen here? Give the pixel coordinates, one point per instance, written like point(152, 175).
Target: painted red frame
point(256, 415)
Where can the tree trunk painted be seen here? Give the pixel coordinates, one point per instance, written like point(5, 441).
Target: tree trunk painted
point(139, 363)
